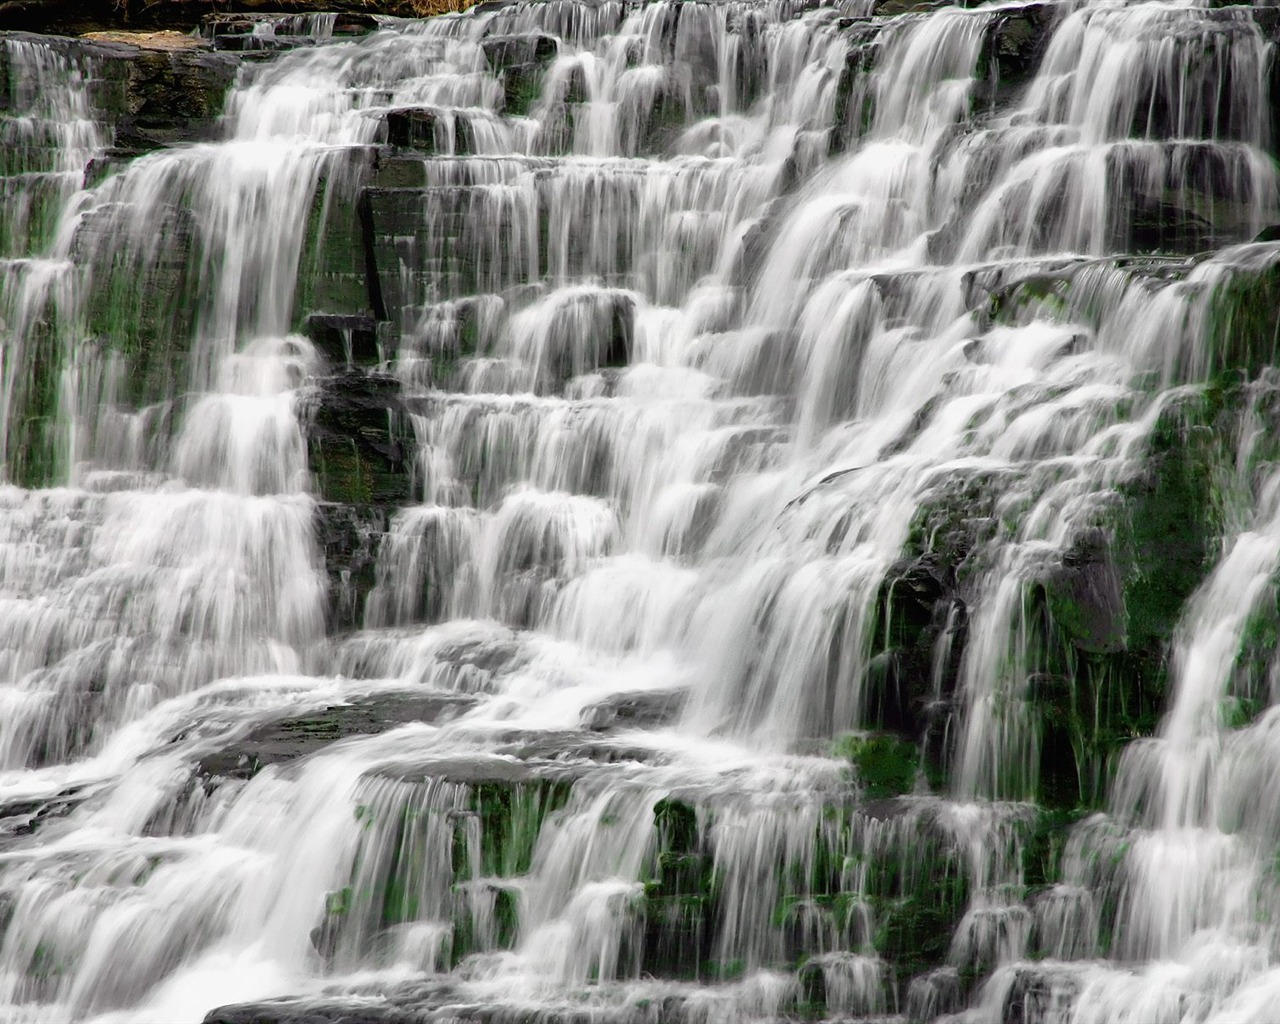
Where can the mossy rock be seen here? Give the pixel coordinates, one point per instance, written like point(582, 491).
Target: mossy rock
point(511, 819)
point(918, 605)
point(349, 536)
point(1110, 607)
point(313, 1011)
point(356, 452)
point(887, 766)
point(917, 908)
point(184, 15)
point(1244, 321)
point(336, 274)
point(288, 739)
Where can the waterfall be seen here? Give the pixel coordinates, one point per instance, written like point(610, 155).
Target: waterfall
point(635, 512)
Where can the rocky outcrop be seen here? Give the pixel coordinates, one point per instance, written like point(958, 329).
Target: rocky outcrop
point(75, 16)
point(152, 89)
point(292, 738)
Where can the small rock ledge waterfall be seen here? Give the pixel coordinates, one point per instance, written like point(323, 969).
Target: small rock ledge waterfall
point(603, 512)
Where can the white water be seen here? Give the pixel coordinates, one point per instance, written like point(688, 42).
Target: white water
point(702, 503)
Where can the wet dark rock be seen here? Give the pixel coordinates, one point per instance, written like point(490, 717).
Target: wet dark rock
point(1086, 597)
point(1111, 606)
point(506, 51)
point(521, 84)
point(1036, 990)
point(349, 536)
point(396, 170)
point(173, 97)
point(1018, 39)
point(854, 98)
point(641, 710)
point(487, 656)
point(241, 31)
point(413, 128)
point(1166, 227)
point(389, 214)
point(568, 747)
point(957, 518)
point(335, 279)
point(1173, 519)
point(1244, 322)
point(753, 246)
point(154, 89)
point(1195, 206)
point(919, 603)
point(356, 453)
point(312, 1011)
point(291, 738)
point(424, 244)
point(136, 82)
point(428, 131)
point(890, 8)
point(185, 15)
point(19, 818)
point(346, 340)
point(484, 769)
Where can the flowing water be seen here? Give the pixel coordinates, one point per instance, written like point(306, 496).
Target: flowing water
point(829, 578)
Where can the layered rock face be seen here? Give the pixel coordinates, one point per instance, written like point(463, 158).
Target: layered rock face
point(82, 16)
point(639, 512)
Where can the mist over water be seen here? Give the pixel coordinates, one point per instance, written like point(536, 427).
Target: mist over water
point(818, 562)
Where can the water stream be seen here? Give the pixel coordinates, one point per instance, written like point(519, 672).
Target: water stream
point(835, 570)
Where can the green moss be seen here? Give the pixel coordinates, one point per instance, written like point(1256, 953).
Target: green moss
point(1033, 297)
point(342, 476)
point(886, 765)
point(338, 902)
point(1046, 839)
point(1101, 623)
point(511, 819)
point(506, 912)
point(1243, 324)
point(677, 931)
point(667, 119)
point(724, 970)
point(34, 456)
point(1172, 526)
point(679, 903)
point(1237, 712)
point(917, 912)
point(677, 824)
point(333, 268)
point(522, 86)
point(956, 519)
point(47, 970)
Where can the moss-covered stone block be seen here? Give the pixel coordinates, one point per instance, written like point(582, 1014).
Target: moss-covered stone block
point(358, 441)
point(886, 765)
point(336, 274)
point(511, 818)
point(1243, 330)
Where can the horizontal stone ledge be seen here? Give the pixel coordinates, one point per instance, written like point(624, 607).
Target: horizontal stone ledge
point(78, 16)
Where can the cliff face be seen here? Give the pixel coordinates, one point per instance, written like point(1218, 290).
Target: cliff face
point(730, 491)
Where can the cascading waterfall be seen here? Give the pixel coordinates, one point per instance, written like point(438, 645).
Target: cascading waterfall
point(742, 511)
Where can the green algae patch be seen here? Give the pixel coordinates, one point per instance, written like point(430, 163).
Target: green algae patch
point(1243, 329)
point(886, 765)
point(511, 819)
